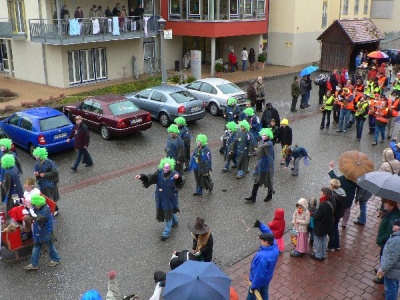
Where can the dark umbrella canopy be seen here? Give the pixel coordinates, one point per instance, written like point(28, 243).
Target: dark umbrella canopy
point(381, 184)
point(195, 280)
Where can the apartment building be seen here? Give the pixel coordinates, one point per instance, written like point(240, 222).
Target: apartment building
point(44, 42)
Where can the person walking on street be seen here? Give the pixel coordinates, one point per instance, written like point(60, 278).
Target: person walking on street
point(262, 267)
point(296, 92)
point(10, 181)
point(168, 182)
point(233, 60)
point(361, 115)
point(328, 101)
point(175, 148)
point(252, 59)
point(303, 92)
point(390, 263)
point(201, 163)
point(42, 233)
point(46, 172)
point(260, 90)
point(203, 241)
point(252, 93)
point(81, 143)
point(362, 196)
point(186, 137)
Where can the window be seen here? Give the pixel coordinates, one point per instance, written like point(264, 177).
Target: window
point(144, 94)
point(97, 108)
point(16, 12)
point(149, 49)
point(157, 96)
point(233, 9)
point(122, 107)
point(14, 120)
point(174, 7)
point(87, 65)
point(182, 96)
point(4, 57)
point(248, 7)
point(366, 7)
point(345, 7)
point(26, 123)
point(87, 105)
point(356, 5)
point(194, 8)
point(195, 85)
point(324, 14)
point(261, 7)
point(207, 88)
point(54, 122)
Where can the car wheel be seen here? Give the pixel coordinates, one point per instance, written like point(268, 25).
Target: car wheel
point(164, 119)
point(31, 148)
point(214, 110)
point(105, 134)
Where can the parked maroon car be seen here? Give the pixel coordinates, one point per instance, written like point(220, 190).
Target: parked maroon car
point(112, 115)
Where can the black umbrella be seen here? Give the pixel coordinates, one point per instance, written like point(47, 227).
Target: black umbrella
point(382, 184)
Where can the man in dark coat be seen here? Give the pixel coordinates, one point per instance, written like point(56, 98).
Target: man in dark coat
point(175, 148)
point(269, 114)
point(334, 79)
point(264, 171)
point(167, 202)
point(201, 163)
point(81, 143)
point(323, 222)
point(252, 93)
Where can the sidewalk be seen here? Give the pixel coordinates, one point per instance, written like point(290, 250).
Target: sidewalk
point(345, 274)
point(29, 91)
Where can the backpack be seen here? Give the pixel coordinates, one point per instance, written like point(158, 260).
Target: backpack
point(339, 210)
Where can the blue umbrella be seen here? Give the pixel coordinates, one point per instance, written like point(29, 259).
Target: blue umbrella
point(308, 70)
point(196, 280)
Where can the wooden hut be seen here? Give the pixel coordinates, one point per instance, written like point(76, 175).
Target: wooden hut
point(344, 39)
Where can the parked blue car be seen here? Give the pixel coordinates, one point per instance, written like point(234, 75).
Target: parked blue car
point(39, 127)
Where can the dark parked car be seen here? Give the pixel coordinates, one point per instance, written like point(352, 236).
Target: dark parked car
point(42, 126)
point(112, 115)
point(166, 102)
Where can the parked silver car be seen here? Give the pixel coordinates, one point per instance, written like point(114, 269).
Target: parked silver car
point(215, 92)
point(166, 102)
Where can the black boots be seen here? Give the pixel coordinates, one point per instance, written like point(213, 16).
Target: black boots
point(269, 196)
point(253, 196)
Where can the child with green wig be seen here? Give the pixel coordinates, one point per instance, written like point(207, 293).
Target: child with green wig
point(244, 144)
point(175, 148)
point(6, 146)
point(201, 164)
point(264, 170)
point(229, 151)
point(186, 136)
point(168, 182)
point(231, 112)
point(10, 178)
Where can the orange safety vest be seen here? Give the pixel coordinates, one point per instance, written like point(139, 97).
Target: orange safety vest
point(380, 113)
point(371, 104)
point(381, 81)
point(356, 99)
point(359, 88)
point(394, 111)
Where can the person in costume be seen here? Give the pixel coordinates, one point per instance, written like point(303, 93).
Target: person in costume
point(10, 180)
point(264, 170)
point(186, 136)
point(244, 143)
point(229, 151)
point(232, 111)
point(175, 148)
point(254, 121)
point(201, 163)
point(168, 182)
point(46, 172)
point(203, 241)
point(42, 233)
point(5, 147)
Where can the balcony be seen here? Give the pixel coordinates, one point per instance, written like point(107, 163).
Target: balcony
point(5, 28)
point(72, 31)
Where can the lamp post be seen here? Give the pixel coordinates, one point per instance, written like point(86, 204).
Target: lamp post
point(161, 23)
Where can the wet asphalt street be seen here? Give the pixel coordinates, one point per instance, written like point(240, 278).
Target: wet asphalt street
point(107, 219)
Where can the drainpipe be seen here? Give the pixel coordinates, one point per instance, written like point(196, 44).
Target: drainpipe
point(46, 82)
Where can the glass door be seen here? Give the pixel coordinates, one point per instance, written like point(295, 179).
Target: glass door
point(4, 64)
point(74, 71)
point(87, 65)
point(148, 49)
point(100, 63)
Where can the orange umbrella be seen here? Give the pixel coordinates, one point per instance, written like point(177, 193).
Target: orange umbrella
point(354, 164)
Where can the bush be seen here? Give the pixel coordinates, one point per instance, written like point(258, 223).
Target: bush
point(190, 79)
point(7, 94)
point(175, 79)
point(219, 67)
point(72, 99)
point(262, 58)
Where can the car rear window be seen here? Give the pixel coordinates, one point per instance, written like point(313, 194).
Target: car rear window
point(182, 96)
point(122, 107)
point(54, 122)
point(229, 88)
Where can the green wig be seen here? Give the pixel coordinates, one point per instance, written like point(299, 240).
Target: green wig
point(249, 111)
point(267, 132)
point(167, 160)
point(38, 200)
point(173, 128)
point(8, 161)
point(6, 143)
point(232, 126)
point(180, 121)
point(245, 124)
point(40, 152)
point(232, 101)
point(202, 138)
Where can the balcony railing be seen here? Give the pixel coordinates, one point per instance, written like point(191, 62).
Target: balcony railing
point(5, 28)
point(78, 31)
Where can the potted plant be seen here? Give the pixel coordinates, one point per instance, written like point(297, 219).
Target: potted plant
point(262, 58)
point(219, 68)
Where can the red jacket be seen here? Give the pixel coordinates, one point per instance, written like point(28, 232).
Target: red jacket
point(277, 225)
point(232, 58)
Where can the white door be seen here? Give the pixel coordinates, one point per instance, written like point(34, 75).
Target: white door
point(87, 65)
point(100, 63)
point(74, 67)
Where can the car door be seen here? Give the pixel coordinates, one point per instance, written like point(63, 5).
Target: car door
point(97, 114)
point(11, 127)
point(87, 113)
point(27, 132)
point(143, 101)
point(207, 92)
point(194, 88)
point(157, 103)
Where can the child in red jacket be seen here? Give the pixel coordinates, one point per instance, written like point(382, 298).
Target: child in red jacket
point(277, 226)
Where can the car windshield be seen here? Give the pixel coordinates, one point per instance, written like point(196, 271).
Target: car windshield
point(182, 96)
point(54, 122)
point(229, 88)
point(122, 107)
